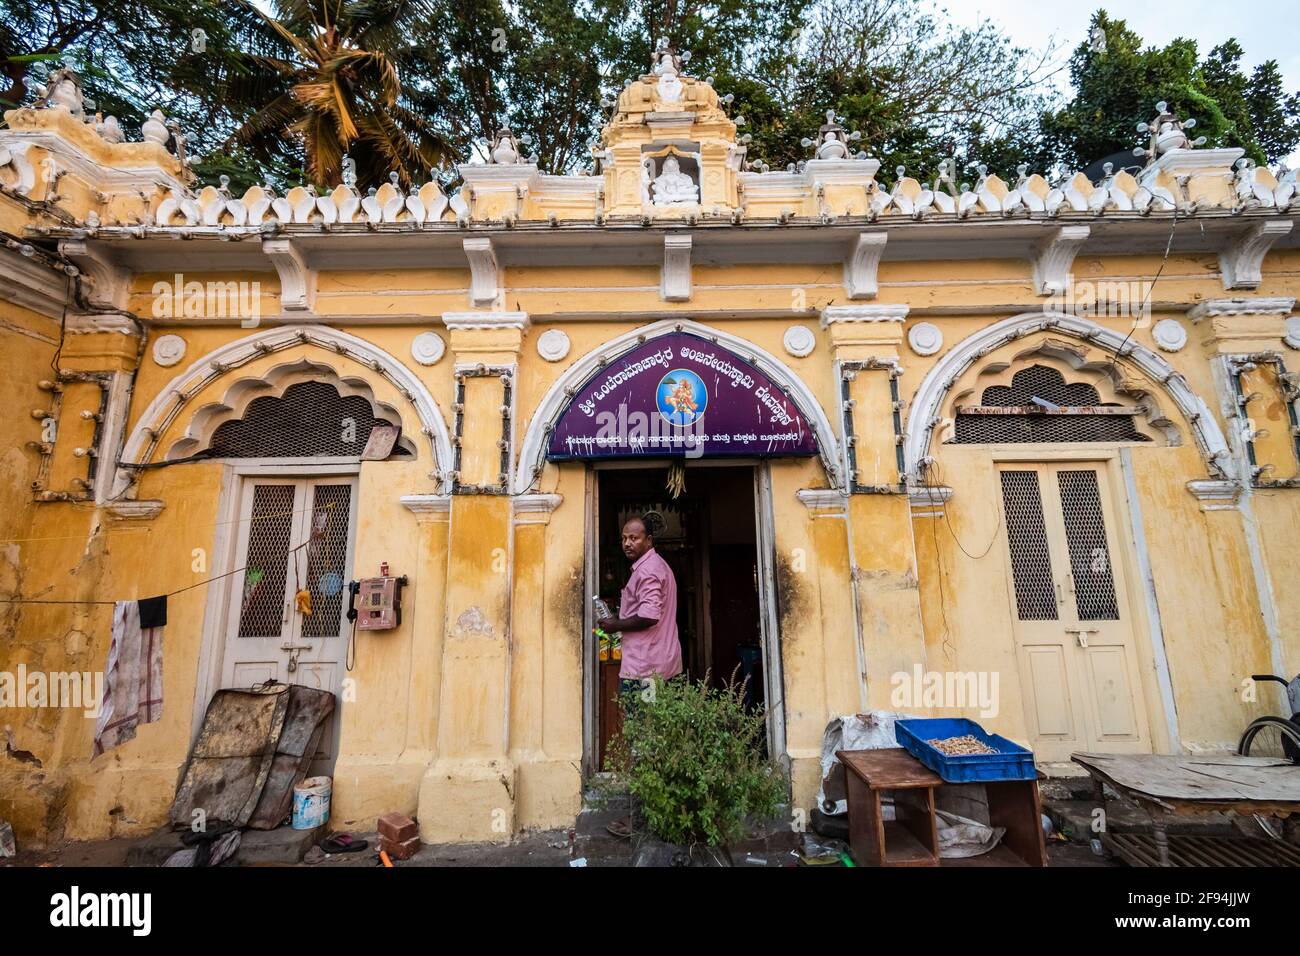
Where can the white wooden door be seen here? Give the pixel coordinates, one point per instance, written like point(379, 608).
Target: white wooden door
point(1069, 593)
point(293, 534)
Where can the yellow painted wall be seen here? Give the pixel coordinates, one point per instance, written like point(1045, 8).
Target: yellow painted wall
point(866, 586)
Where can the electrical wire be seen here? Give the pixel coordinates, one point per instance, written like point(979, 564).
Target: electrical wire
point(188, 587)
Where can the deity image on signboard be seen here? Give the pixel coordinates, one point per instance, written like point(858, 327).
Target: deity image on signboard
point(682, 397)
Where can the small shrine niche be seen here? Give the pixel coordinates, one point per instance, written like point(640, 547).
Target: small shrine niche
point(669, 150)
point(670, 176)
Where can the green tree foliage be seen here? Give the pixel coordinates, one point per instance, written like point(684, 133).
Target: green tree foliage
point(132, 57)
point(283, 88)
point(1117, 88)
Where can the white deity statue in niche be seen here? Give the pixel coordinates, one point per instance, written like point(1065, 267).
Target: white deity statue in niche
point(672, 187)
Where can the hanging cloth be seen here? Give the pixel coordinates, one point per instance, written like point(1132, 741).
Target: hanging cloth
point(133, 688)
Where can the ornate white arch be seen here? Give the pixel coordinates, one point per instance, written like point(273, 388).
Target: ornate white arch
point(168, 404)
point(929, 397)
point(272, 383)
point(532, 451)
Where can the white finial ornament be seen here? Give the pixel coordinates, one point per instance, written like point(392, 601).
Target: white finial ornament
point(154, 129)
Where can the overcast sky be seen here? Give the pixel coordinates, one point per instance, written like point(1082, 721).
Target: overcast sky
point(1269, 31)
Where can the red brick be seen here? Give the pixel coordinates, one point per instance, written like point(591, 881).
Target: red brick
point(403, 850)
point(397, 827)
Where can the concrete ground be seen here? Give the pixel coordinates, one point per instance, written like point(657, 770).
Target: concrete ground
point(1067, 801)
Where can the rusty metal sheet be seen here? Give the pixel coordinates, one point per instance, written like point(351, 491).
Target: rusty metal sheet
point(304, 723)
point(232, 758)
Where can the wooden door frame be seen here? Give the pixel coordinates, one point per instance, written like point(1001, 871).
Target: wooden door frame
point(235, 475)
point(769, 613)
point(1118, 490)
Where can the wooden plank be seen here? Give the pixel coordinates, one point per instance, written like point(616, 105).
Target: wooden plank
point(1171, 780)
point(891, 768)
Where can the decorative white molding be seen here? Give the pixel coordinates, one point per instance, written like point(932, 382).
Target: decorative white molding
point(863, 313)
point(928, 400)
point(799, 340)
point(168, 350)
point(824, 499)
point(81, 324)
point(427, 348)
point(1183, 161)
point(675, 280)
point(168, 404)
point(862, 265)
point(534, 509)
point(1169, 334)
point(1292, 337)
point(532, 454)
point(106, 283)
point(427, 504)
point(1215, 495)
point(928, 501)
point(925, 338)
point(33, 284)
point(1265, 305)
point(485, 320)
point(485, 273)
point(68, 156)
point(1241, 261)
point(134, 509)
point(553, 345)
point(1053, 257)
point(297, 279)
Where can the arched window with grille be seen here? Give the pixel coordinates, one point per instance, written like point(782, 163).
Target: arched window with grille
point(1039, 406)
point(311, 419)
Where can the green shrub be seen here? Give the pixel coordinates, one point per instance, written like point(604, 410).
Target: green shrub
point(689, 755)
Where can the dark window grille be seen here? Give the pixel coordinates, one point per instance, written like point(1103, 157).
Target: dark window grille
point(1036, 427)
point(311, 420)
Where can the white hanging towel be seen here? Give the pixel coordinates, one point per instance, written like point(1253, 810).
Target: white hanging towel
point(133, 689)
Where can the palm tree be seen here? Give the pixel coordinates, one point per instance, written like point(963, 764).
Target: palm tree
point(319, 78)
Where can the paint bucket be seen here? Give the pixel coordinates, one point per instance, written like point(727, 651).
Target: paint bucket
point(311, 803)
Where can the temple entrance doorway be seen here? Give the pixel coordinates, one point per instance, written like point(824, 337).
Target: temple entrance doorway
point(714, 536)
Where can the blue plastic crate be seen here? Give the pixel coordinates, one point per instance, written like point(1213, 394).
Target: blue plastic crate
point(1011, 762)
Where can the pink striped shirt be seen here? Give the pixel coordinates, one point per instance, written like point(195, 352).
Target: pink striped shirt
point(651, 591)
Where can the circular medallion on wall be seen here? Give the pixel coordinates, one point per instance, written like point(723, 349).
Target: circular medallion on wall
point(799, 340)
point(553, 345)
point(925, 338)
point(168, 350)
point(427, 348)
point(1292, 337)
point(1169, 335)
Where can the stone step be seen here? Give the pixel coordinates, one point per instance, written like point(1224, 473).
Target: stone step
point(283, 846)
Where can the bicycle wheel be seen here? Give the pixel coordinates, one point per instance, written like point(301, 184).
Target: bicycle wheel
point(1271, 737)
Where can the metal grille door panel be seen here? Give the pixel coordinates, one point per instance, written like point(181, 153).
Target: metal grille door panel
point(327, 558)
point(1031, 561)
point(1085, 535)
point(267, 563)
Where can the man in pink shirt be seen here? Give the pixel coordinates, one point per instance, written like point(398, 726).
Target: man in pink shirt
point(647, 617)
